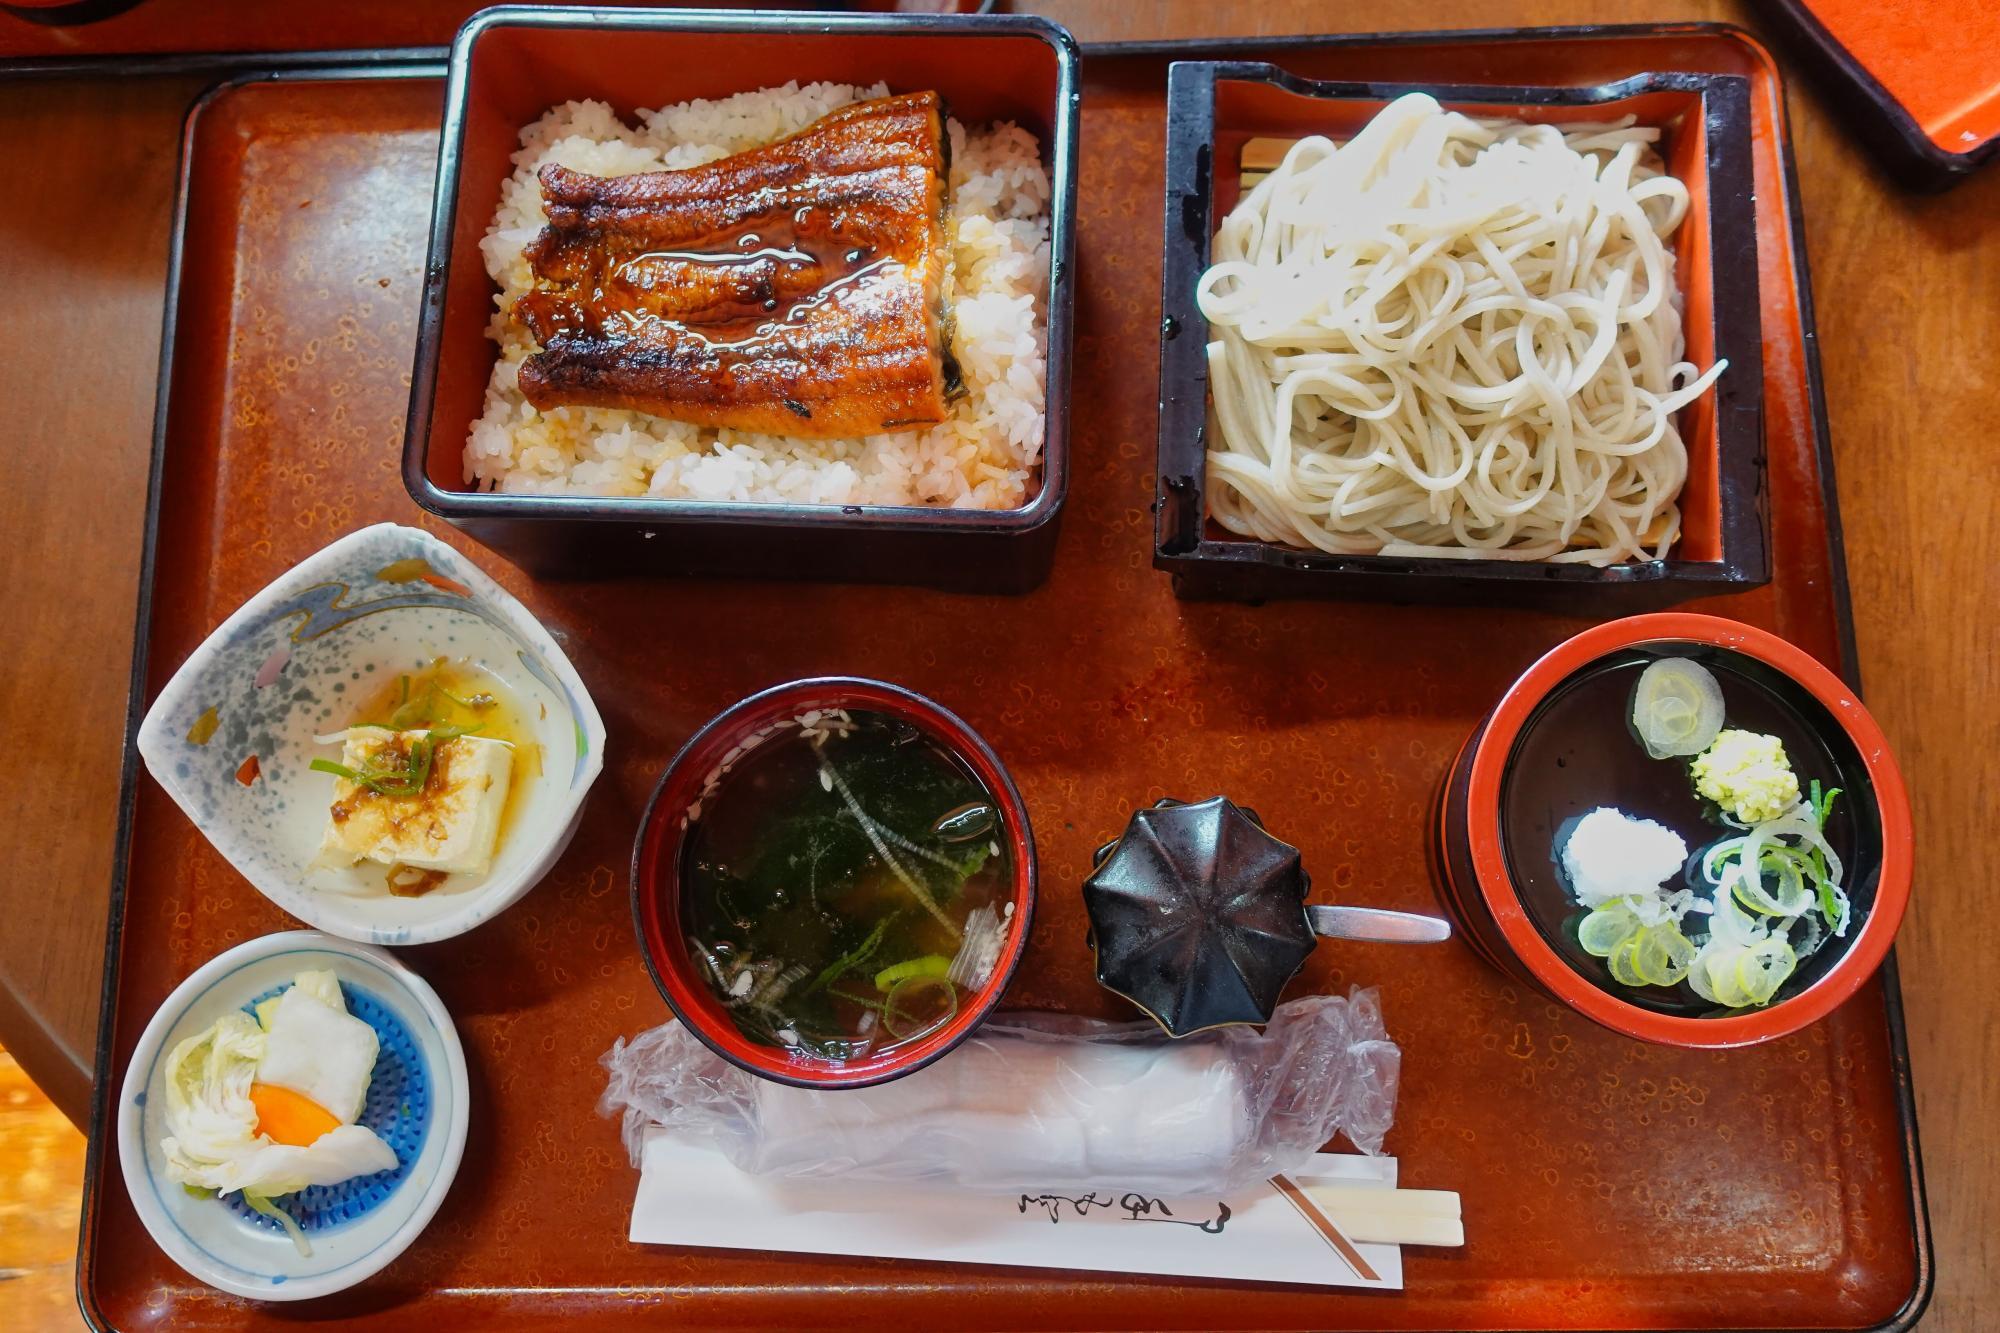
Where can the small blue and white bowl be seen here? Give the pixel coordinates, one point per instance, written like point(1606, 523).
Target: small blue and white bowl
point(417, 1103)
point(296, 660)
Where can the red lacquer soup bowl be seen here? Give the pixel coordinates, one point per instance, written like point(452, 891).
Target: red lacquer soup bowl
point(1560, 743)
point(659, 904)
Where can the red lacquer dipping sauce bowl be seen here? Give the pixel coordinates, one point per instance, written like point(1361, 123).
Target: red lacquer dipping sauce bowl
point(658, 900)
point(1560, 743)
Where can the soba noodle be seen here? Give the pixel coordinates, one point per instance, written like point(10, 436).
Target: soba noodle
point(1449, 337)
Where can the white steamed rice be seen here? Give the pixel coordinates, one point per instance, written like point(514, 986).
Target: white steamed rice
point(983, 456)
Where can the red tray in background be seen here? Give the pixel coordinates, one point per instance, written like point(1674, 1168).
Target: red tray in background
point(1605, 1183)
point(1921, 78)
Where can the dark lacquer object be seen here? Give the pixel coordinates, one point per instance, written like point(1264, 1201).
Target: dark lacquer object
point(510, 64)
point(1708, 142)
point(1198, 915)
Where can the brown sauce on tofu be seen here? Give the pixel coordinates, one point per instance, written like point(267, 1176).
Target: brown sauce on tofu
point(444, 692)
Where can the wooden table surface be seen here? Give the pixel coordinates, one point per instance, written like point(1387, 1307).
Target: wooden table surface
point(1908, 299)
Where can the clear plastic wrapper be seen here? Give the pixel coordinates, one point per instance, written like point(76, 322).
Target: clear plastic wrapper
point(1034, 1100)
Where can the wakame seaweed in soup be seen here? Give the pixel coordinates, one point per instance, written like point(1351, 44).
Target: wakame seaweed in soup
point(847, 885)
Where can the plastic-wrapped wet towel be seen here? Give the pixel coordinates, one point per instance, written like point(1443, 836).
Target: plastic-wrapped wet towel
point(1032, 1099)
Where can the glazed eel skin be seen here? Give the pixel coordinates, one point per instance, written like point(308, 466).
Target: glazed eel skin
point(796, 289)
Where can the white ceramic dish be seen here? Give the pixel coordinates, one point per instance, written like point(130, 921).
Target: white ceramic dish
point(293, 662)
point(418, 1103)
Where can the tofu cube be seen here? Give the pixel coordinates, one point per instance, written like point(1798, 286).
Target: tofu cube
point(451, 826)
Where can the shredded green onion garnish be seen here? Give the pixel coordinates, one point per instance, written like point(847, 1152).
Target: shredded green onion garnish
point(1776, 896)
point(427, 709)
point(399, 782)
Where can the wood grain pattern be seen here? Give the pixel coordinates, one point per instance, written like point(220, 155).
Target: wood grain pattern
point(83, 251)
point(1908, 291)
point(1908, 295)
point(41, 1184)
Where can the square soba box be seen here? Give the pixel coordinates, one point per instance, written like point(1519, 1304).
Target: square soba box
point(597, 491)
point(1230, 122)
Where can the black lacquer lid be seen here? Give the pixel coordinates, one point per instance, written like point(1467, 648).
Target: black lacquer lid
point(1197, 915)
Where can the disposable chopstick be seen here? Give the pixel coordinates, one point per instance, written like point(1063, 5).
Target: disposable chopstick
point(1264, 154)
point(1346, 1196)
point(1260, 157)
point(1387, 1230)
point(1374, 1214)
point(1329, 1231)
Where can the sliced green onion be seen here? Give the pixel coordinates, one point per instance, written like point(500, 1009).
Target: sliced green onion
point(411, 713)
point(897, 1015)
point(1832, 902)
point(1677, 708)
point(1741, 974)
point(1623, 960)
point(1763, 968)
point(1791, 896)
point(1649, 961)
point(1662, 954)
point(1782, 868)
point(930, 965)
point(1726, 981)
point(424, 710)
point(478, 703)
point(399, 782)
point(1605, 928)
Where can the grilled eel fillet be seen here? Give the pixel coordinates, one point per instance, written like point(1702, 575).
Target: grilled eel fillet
point(795, 289)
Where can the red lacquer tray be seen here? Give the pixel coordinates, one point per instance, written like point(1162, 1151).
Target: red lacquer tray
point(1606, 1183)
point(1918, 79)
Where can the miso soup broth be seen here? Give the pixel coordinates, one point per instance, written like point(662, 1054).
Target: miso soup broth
point(846, 885)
